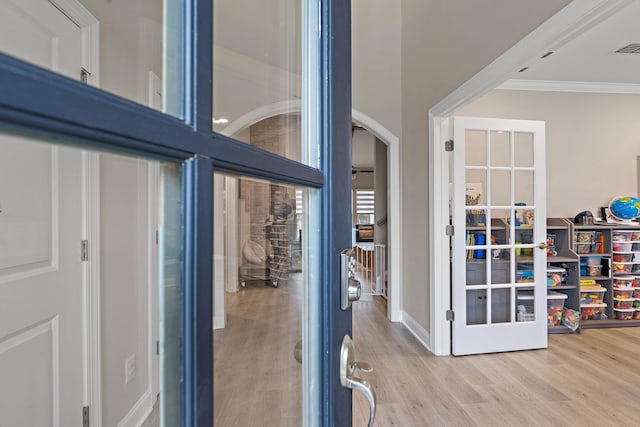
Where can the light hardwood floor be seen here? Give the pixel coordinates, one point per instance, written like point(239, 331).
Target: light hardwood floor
point(592, 379)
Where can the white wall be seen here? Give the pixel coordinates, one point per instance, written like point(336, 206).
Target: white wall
point(592, 143)
point(443, 45)
point(381, 192)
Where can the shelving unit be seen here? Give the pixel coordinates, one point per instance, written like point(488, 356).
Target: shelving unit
point(560, 255)
point(279, 262)
point(605, 237)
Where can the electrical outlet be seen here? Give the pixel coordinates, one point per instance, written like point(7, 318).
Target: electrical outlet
point(130, 369)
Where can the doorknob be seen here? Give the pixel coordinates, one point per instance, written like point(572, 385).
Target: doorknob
point(348, 367)
point(543, 245)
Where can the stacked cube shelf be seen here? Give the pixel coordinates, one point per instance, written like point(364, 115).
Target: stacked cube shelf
point(616, 249)
point(560, 256)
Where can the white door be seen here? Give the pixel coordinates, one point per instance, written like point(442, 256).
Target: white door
point(41, 227)
point(499, 217)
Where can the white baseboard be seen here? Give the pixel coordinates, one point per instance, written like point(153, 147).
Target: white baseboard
point(416, 329)
point(218, 322)
point(139, 412)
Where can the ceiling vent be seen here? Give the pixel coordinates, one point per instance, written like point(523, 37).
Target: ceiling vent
point(632, 48)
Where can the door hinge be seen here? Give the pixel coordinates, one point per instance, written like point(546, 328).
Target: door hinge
point(449, 230)
point(157, 236)
point(448, 145)
point(158, 347)
point(450, 316)
point(84, 250)
point(84, 75)
point(85, 416)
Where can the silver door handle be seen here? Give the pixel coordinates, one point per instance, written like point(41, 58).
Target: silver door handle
point(348, 367)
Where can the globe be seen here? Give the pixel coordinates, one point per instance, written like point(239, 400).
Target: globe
point(625, 208)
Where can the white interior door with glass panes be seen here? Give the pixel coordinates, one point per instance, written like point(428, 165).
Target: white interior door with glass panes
point(499, 217)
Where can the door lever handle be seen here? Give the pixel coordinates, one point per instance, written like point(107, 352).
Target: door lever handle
point(363, 387)
point(348, 366)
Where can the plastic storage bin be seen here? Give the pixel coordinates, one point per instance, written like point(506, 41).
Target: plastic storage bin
point(624, 304)
point(555, 305)
point(593, 311)
point(623, 314)
point(556, 276)
point(622, 246)
point(624, 281)
point(595, 296)
point(525, 312)
point(622, 293)
point(623, 257)
point(625, 235)
point(622, 267)
point(636, 314)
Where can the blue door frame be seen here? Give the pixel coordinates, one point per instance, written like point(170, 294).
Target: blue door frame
point(39, 103)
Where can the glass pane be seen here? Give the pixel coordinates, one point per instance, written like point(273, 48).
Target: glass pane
point(257, 74)
point(525, 308)
point(264, 300)
point(499, 221)
point(476, 182)
point(477, 307)
point(500, 148)
point(170, 295)
point(524, 191)
point(476, 147)
point(500, 305)
point(500, 188)
point(117, 46)
point(476, 269)
point(524, 265)
point(523, 149)
point(500, 270)
point(53, 197)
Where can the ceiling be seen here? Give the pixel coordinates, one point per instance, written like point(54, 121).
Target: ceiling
point(591, 57)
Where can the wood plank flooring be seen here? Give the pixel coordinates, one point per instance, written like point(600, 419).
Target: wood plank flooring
point(592, 379)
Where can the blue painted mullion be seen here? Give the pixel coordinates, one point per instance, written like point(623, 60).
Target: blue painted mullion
point(197, 334)
point(336, 198)
point(67, 110)
point(198, 49)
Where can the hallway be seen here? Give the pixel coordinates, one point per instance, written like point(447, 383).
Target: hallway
point(590, 379)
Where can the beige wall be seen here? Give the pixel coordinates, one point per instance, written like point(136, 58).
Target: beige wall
point(376, 61)
point(443, 45)
point(592, 142)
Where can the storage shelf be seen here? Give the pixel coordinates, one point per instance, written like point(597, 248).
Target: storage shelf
point(604, 255)
point(595, 277)
point(609, 323)
point(559, 329)
point(558, 258)
point(561, 287)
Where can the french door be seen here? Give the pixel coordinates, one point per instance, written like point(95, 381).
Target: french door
point(40, 103)
point(499, 218)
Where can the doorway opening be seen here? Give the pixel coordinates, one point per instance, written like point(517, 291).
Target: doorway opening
point(574, 23)
point(369, 193)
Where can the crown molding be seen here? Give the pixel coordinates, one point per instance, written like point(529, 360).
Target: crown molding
point(567, 86)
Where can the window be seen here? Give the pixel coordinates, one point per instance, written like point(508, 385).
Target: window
point(365, 203)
